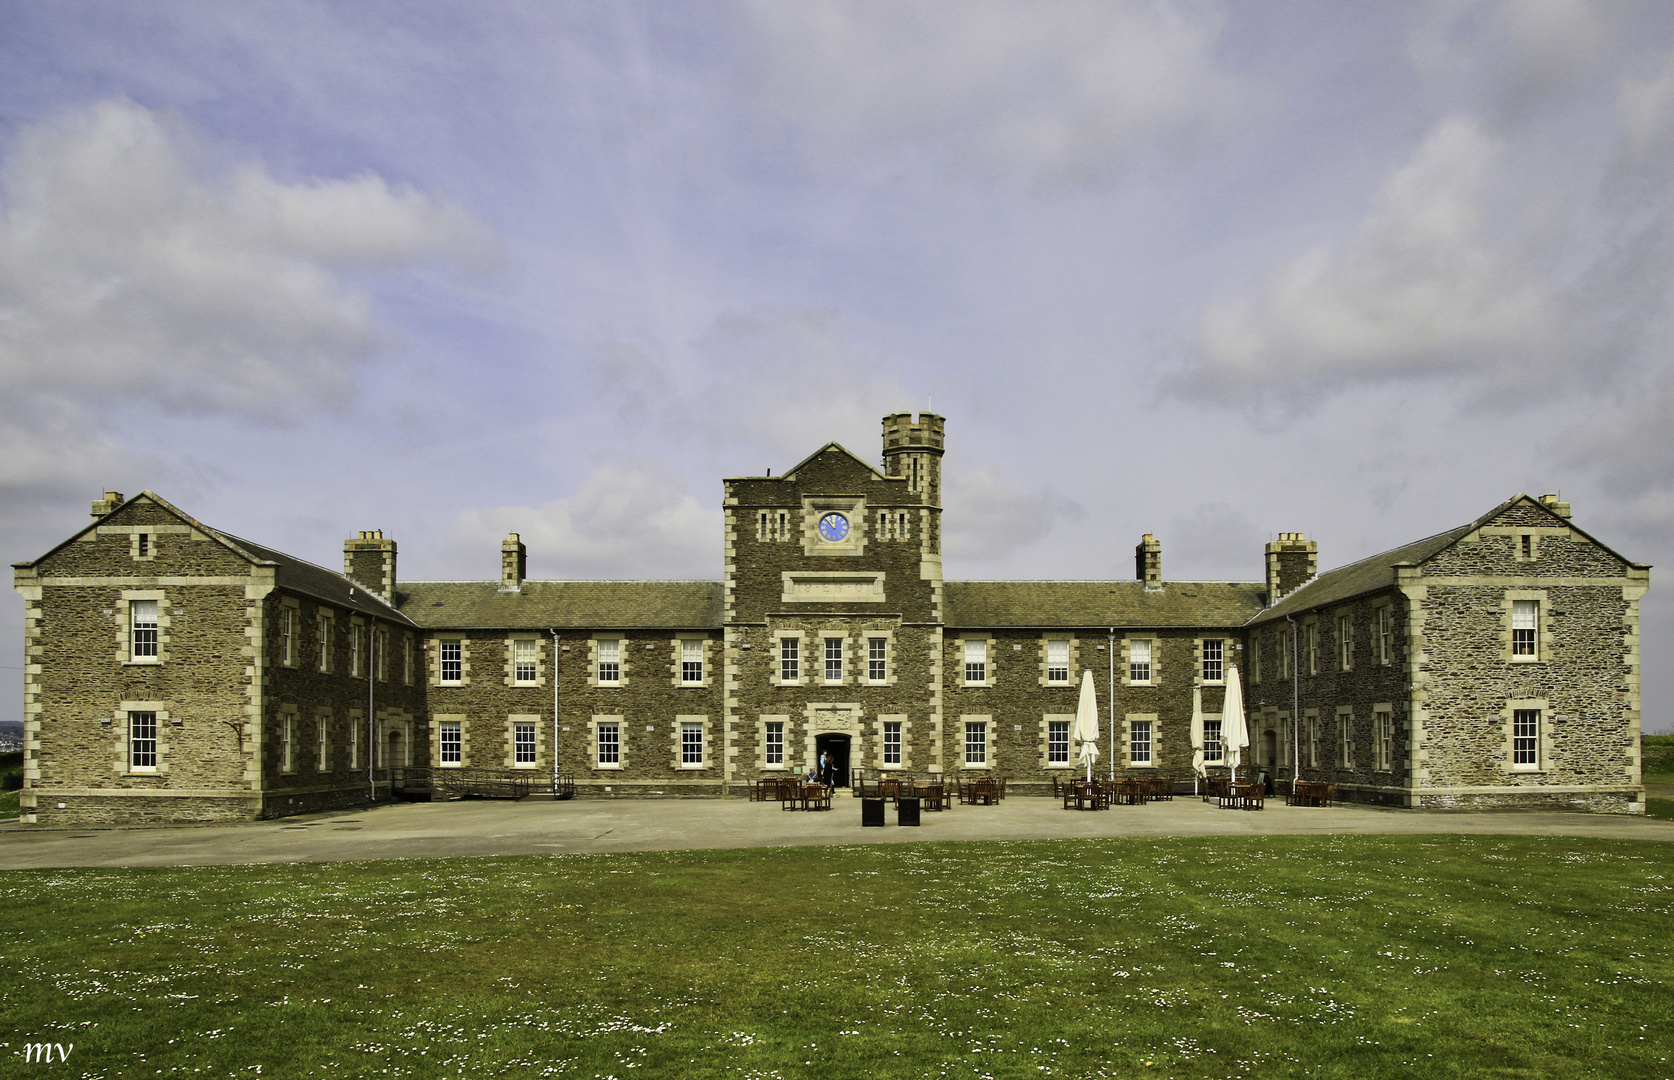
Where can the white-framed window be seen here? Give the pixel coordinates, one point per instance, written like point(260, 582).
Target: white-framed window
point(976, 661)
point(1212, 750)
point(452, 653)
point(833, 659)
point(142, 742)
point(142, 637)
point(451, 742)
point(327, 625)
point(1386, 634)
point(1313, 742)
point(357, 650)
point(609, 749)
point(1139, 660)
point(790, 659)
point(1310, 646)
point(1286, 660)
point(1525, 628)
point(322, 736)
point(1525, 739)
point(1345, 643)
point(976, 742)
point(691, 661)
point(1255, 658)
point(1057, 660)
point(287, 636)
point(1345, 740)
point(523, 743)
point(380, 654)
point(892, 742)
point(355, 736)
point(287, 743)
point(525, 670)
point(691, 743)
point(774, 746)
point(1214, 660)
point(610, 662)
point(1383, 724)
point(1139, 742)
point(1057, 742)
point(877, 659)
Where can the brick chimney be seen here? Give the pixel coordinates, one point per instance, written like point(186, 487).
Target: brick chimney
point(514, 563)
point(369, 560)
point(1291, 563)
point(1147, 561)
point(1559, 508)
point(103, 506)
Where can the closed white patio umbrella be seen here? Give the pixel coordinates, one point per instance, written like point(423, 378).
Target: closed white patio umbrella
point(1235, 730)
point(1087, 723)
point(1197, 736)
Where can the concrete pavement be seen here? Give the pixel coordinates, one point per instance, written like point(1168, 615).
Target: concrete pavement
point(439, 830)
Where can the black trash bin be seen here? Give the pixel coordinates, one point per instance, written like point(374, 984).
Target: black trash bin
point(871, 812)
point(906, 811)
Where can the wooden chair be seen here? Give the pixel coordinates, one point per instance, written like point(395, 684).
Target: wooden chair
point(1255, 798)
point(816, 797)
point(932, 795)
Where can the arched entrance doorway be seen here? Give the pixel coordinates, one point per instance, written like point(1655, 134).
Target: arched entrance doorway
point(396, 757)
point(837, 747)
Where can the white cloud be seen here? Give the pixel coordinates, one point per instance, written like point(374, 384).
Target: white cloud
point(628, 519)
point(987, 518)
point(775, 382)
point(134, 267)
point(1419, 288)
point(1061, 93)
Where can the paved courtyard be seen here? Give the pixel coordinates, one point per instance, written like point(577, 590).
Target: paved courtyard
point(428, 830)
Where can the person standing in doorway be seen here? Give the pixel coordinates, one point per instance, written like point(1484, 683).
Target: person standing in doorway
point(825, 768)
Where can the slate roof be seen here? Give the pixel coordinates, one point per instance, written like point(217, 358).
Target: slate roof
point(1378, 571)
point(539, 605)
point(311, 580)
point(290, 572)
point(1127, 603)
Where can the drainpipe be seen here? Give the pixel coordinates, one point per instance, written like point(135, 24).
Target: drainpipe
point(1295, 707)
point(371, 721)
point(555, 640)
point(1111, 697)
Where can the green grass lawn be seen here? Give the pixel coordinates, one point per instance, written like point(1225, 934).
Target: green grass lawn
point(1271, 956)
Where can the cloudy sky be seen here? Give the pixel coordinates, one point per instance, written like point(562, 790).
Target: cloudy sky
point(1206, 270)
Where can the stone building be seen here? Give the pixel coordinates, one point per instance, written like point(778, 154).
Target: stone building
point(177, 673)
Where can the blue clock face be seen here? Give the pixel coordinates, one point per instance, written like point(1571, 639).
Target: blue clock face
point(834, 527)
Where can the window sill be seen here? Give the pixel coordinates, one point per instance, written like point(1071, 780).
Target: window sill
point(451, 765)
point(609, 768)
point(148, 661)
point(1142, 764)
point(692, 768)
point(984, 766)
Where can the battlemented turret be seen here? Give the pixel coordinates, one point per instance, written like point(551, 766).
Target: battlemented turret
point(913, 449)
